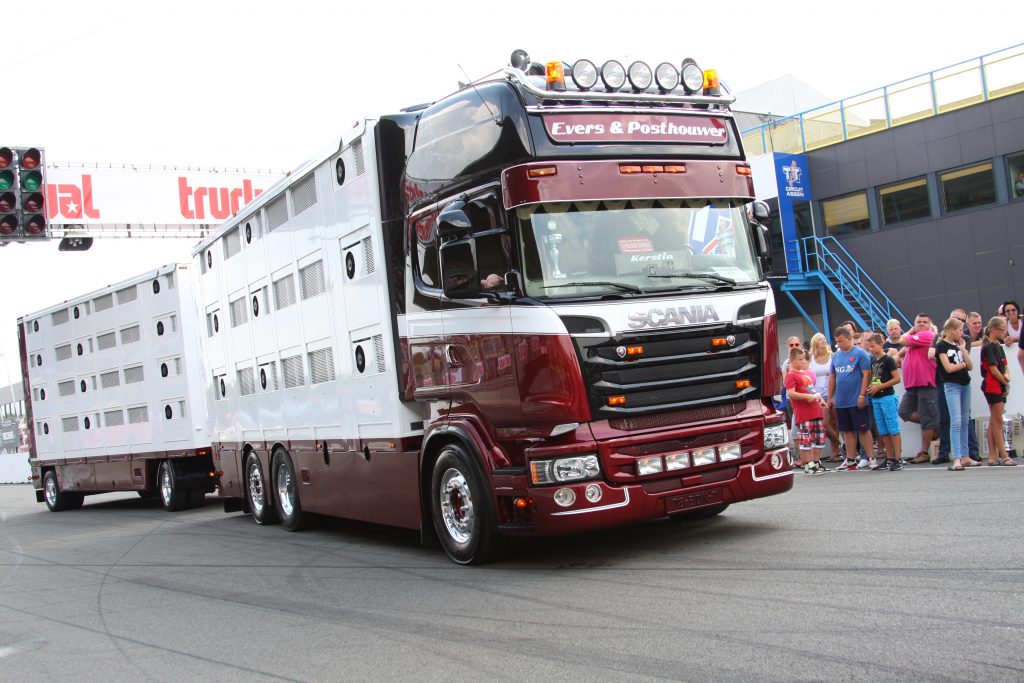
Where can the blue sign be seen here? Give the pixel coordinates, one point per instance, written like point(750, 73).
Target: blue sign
point(794, 182)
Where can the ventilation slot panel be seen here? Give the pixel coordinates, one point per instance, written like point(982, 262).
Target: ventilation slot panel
point(106, 341)
point(277, 213)
point(134, 375)
point(284, 292)
point(127, 295)
point(232, 243)
point(130, 335)
point(312, 280)
point(63, 352)
point(246, 382)
point(66, 388)
point(368, 255)
point(113, 418)
point(293, 373)
point(378, 352)
point(357, 152)
point(103, 303)
point(59, 317)
point(110, 379)
point(138, 415)
point(321, 366)
point(70, 424)
point(304, 194)
point(239, 312)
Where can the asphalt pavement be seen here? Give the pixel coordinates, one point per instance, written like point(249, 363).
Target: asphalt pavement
point(913, 575)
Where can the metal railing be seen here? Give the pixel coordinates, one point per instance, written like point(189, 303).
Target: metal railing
point(983, 78)
point(850, 282)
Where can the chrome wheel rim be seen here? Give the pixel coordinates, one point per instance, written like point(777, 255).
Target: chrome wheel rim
point(456, 506)
point(51, 491)
point(165, 485)
point(256, 489)
point(285, 489)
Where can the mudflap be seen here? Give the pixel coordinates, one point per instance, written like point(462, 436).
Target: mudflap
point(39, 496)
point(233, 505)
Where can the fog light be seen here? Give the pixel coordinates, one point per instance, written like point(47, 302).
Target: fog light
point(649, 465)
point(776, 461)
point(565, 497)
point(593, 493)
point(677, 461)
point(703, 456)
point(730, 452)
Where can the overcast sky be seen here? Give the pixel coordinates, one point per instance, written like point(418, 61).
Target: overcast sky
point(268, 84)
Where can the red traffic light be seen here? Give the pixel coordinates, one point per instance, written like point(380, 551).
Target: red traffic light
point(35, 225)
point(8, 224)
point(31, 158)
point(6, 157)
point(33, 203)
point(7, 202)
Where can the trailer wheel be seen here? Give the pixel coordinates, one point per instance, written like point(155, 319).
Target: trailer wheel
point(700, 513)
point(171, 497)
point(57, 500)
point(260, 504)
point(293, 518)
point(463, 512)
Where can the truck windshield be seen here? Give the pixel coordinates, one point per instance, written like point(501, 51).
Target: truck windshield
point(586, 248)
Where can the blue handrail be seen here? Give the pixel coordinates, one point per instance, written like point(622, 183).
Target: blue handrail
point(827, 256)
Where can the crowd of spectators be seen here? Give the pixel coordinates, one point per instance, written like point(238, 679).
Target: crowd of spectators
point(845, 393)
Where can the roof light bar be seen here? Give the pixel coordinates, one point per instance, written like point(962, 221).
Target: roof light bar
point(640, 76)
point(584, 74)
point(613, 75)
point(666, 76)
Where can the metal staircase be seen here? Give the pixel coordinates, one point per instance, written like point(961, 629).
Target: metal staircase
point(827, 266)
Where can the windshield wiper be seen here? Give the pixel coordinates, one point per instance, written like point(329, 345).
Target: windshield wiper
point(701, 276)
point(606, 283)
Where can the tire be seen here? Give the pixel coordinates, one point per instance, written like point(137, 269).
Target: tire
point(699, 513)
point(261, 506)
point(171, 497)
point(286, 493)
point(57, 500)
point(462, 508)
point(196, 498)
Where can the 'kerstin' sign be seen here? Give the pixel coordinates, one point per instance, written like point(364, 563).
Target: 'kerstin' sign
point(663, 128)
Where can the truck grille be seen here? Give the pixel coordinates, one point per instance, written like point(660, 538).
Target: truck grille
point(677, 370)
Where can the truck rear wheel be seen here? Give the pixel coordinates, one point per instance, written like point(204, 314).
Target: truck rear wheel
point(57, 500)
point(462, 509)
point(260, 503)
point(171, 497)
point(293, 518)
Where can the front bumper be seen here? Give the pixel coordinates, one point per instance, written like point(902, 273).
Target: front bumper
point(767, 475)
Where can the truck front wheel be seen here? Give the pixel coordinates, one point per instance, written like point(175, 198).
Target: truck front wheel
point(56, 499)
point(463, 513)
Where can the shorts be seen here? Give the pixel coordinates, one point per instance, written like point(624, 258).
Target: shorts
point(853, 419)
point(920, 400)
point(886, 418)
point(995, 399)
point(811, 434)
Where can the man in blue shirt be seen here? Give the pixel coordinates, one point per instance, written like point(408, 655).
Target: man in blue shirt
point(847, 390)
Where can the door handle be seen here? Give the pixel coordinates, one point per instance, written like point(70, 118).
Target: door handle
point(451, 357)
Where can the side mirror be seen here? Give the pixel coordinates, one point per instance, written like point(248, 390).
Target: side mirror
point(763, 246)
point(459, 276)
point(453, 220)
point(761, 212)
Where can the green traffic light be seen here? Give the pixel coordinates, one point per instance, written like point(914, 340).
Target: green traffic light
point(32, 181)
point(6, 180)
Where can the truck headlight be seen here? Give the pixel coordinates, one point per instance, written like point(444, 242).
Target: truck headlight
point(576, 468)
point(774, 436)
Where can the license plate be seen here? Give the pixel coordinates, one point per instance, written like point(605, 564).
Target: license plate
point(695, 499)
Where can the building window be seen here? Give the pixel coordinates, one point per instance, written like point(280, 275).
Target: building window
point(968, 187)
point(1015, 166)
point(904, 201)
point(844, 215)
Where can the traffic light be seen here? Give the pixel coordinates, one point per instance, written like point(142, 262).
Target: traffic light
point(22, 195)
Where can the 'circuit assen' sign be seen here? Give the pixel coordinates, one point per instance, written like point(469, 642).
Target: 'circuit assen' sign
point(661, 128)
point(99, 196)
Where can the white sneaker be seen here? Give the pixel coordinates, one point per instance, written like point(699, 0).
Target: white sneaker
point(863, 464)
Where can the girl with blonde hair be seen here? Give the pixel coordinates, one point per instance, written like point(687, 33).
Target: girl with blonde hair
point(820, 362)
